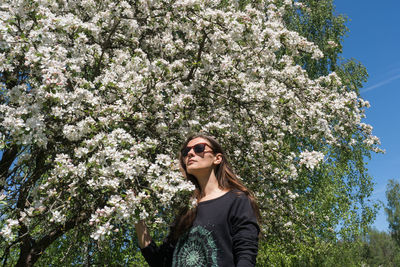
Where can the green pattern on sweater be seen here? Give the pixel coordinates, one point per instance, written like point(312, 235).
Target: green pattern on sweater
point(195, 248)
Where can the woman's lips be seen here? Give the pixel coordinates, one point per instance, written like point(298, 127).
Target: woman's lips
point(190, 161)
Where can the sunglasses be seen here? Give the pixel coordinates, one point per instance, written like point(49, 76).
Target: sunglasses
point(197, 148)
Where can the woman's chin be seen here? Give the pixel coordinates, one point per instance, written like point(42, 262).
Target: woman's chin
point(196, 170)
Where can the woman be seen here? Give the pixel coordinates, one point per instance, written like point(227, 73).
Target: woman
point(222, 230)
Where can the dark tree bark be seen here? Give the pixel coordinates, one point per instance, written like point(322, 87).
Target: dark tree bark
point(31, 250)
point(6, 161)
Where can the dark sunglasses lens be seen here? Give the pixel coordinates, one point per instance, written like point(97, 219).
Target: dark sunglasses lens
point(199, 148)
point(185, 151)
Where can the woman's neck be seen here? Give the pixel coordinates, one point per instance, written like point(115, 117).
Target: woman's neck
point(209, 187)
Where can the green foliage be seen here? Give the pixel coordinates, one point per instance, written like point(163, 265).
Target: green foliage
point(316, 20)
point(322, 254)
point(76, 248)
point(340, 189)
point(393, 209)
point(381, 250)
point(376, 249)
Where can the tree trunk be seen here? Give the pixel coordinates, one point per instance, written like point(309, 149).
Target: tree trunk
point(28, 255)
point(31, 250)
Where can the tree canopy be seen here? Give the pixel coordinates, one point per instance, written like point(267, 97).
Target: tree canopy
point(97, 96)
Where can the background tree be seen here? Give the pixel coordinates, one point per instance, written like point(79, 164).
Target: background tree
point(96, 98)
point(381, 249)
point(393, 209)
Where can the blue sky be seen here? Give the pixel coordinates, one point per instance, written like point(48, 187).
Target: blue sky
point(374, 40)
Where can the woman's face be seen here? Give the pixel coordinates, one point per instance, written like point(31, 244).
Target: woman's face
point(200, 162)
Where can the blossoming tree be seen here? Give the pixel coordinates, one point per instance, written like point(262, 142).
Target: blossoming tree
point(97, 96)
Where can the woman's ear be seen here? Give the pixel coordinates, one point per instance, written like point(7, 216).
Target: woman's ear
point(218, 158)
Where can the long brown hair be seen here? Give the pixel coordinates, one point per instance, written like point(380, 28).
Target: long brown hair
point(226, 178)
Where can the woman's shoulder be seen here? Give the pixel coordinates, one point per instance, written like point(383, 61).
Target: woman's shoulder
point(238, 194)
point(241, 207)
point(238, 197)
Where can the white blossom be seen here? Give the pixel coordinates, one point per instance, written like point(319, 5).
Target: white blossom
point(311, 159)
point(112, 90)
point(57, 217)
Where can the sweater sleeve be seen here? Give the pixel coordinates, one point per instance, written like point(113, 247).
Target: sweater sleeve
point(158, 256)
point(245, 232)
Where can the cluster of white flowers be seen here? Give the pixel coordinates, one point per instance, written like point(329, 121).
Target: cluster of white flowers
point(311, 159)
point(57, 217)
point(102, 231)
point(7, 230)
point(110, 89)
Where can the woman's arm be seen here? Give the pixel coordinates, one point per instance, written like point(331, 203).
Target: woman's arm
point(245, 232)
point(155, 256)
point(143, 235)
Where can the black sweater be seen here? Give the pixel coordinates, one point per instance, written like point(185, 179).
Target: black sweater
point(224, 233)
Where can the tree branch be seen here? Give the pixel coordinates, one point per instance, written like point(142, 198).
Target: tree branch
point(7, 159)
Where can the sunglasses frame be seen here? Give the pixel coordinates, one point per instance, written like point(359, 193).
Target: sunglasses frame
point(194, 150)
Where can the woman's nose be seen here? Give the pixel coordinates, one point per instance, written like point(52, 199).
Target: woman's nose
point(191, 152)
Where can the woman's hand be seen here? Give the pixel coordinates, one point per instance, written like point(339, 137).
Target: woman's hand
point(143, 235)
